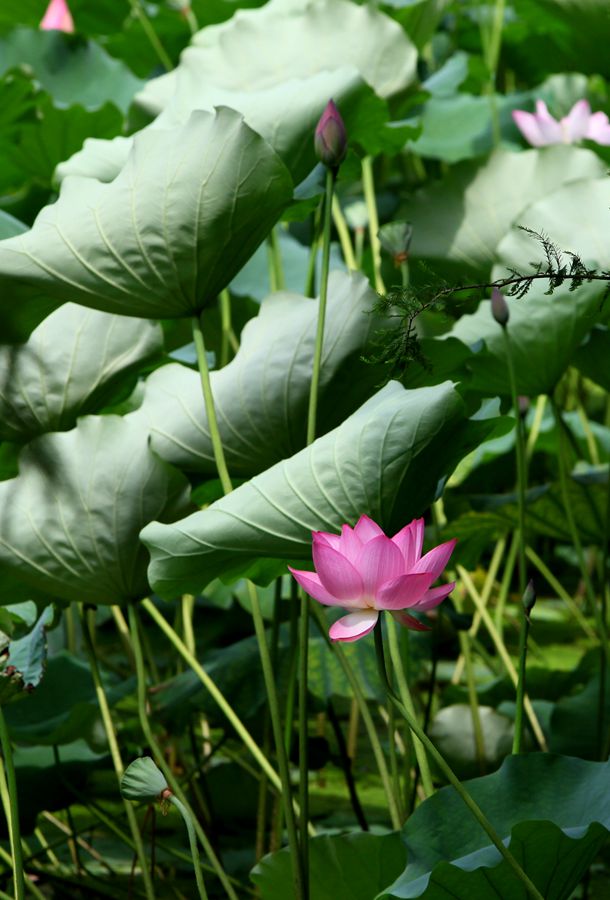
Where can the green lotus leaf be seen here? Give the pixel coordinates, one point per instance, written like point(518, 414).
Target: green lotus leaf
point(69, 522)
point(166, 236)
point(72, 364)
point(385, 460)
point(261, 397)
point(478, 204)
point(554, 809)
point(278, 65)
point(544, 332)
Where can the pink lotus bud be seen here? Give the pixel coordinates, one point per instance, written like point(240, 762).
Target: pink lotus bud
point(330, 139)
point(57, 17)
point(499, 307)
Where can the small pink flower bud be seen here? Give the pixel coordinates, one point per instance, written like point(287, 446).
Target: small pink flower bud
point(499, 307)
point(57, 17)
point(330, 139)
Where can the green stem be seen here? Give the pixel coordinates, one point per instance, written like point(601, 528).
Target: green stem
point(214, 692)
point(226, 343)
point(368, 186)
point(151, 34)
point(523, 634)
point(344, 236)
point(188, 821)
point(115, 754)
point(366, 718)
point(14, 829)
point(298, 873)
point(135, 626)
point(277, 282)
point(560, 591)
point(208, 399)
point(407, 701)
point(303, 731)
point(317, 358)
point(473, 701)
point(520, 458)
point(563, 459)
point(503, 654)
point(474, 808)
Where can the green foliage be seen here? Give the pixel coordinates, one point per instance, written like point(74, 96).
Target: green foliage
point(555, 838)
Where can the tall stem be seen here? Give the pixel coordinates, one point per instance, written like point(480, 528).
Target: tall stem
point(520, 459)
point(317, 357)
point(214, 692)
point(208, 398)
point(151, 34)
point(14, 829)
point(134, 626)
point(523, 633)
point(115, 754)
point(369, 724)
point(259, 628)
point(563, 459)
point(188, 821)
point(446, 769)
point(344, 236)
point(407, 701)
point(504, 655)
point(368, 186)
point(298, 873)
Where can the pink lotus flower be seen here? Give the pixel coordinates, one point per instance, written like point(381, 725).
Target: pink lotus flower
point(541, 129)
point(365, 572)
point(330, 139)
point(57, 17)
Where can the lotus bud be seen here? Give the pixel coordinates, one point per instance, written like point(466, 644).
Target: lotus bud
point(499, 307)
point(395, 238)
point(57, 17)
point(330, 139)
point(529, 598)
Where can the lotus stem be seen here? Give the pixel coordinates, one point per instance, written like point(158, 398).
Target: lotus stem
point(446, 769)
point(115, 754)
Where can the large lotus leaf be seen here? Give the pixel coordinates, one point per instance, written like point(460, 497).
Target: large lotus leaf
point(384, 460)
point(354, 866)
point(72, 364)
point(478, 204)
point(261, 397)
point(161, 240)
point(278, 65)
point(575, 217)
point(69, 522)
point(555, 809)
point(71, 69)
point(292, 38)
point(544, 332)
point(285, 114)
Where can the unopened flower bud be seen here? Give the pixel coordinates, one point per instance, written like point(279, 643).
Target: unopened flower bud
point(395, 238)
point(529, 598)
point(330, 139)
point(499, 307)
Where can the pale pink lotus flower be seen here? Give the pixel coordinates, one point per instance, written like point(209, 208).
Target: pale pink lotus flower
point(364, 571)
point(57, 17)
point(541, 129)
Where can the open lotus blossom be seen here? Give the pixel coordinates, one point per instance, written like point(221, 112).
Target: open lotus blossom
point(57, 17)
point(364, 571)
point(541, 129)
